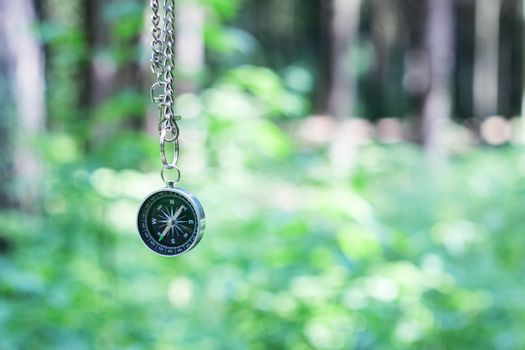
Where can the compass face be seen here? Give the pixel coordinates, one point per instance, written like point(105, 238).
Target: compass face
point(171, 221)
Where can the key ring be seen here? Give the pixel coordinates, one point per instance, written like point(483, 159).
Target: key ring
point(170, 182)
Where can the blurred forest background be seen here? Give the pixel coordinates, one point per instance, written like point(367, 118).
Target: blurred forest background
point(360, 163)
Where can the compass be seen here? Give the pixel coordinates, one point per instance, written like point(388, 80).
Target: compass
point(171, 221)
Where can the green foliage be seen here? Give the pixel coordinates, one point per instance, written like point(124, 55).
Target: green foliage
point(126, 17)
point(298, 253)
point(392, 255)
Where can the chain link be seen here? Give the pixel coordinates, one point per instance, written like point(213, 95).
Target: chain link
point(163, 89)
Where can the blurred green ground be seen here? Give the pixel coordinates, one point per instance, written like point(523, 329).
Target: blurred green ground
point(390, 255)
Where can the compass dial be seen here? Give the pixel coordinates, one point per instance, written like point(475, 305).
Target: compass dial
point(171, 221)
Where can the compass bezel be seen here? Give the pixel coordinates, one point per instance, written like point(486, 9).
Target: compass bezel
point(147, 237)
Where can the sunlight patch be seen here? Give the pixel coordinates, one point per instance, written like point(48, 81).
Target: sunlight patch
point(121, 216)
point(381, 288)
point(456, 236)
point(180, 292)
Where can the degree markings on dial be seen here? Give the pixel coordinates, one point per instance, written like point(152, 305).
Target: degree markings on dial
point(170, 214)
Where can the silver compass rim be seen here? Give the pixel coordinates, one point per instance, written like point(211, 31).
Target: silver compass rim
point(200, 219)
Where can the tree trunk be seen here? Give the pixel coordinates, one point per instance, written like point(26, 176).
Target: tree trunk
point(416, 79)
point(486, 58)
point(324, 79)
point(190, 45)
point(344, 29)
point(439, 44)
point(98, 76)
point(23, 65)
point(384, 29)
point(7, 117)
point(521, 131)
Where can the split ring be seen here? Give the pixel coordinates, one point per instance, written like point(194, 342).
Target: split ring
point(175, 158)
point(170, 182)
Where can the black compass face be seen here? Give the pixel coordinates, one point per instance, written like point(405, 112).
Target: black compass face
point(171, 221)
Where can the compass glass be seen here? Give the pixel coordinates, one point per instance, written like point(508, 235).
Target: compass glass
point(171, 221)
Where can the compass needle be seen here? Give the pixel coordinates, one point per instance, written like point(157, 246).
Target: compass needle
point(165, 232)
point(174, 217)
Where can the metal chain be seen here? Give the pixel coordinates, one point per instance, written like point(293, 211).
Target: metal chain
point(162, 91)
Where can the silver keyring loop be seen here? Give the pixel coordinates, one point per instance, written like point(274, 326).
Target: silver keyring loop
point(163, 150)
point(170, 182)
